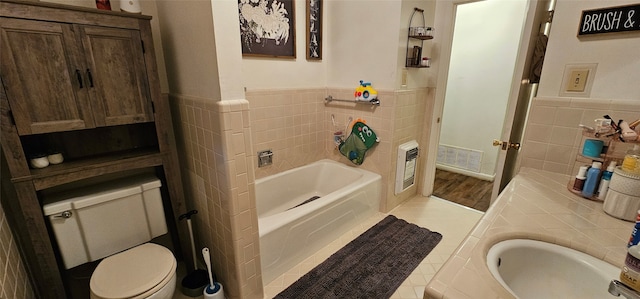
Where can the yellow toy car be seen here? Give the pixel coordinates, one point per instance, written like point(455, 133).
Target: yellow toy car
point(365, 92)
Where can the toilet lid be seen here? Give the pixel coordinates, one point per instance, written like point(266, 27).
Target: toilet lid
point(132, 271)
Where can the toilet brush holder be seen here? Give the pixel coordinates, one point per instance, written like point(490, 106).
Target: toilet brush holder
point(213, 293)
point(195, 281)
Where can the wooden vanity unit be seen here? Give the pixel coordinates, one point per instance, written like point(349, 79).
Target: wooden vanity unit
point(82, 82)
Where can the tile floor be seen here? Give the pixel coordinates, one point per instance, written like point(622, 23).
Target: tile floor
point(453, 221)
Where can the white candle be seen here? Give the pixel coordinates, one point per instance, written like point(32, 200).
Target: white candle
point(132, 6)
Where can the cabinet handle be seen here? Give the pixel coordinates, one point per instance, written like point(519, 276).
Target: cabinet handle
point(79, 78)
point(90, 78)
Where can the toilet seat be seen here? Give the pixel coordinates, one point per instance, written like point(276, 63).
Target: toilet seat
point(134, 273)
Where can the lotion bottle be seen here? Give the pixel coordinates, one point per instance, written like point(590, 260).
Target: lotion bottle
point(630, 274)
point(580, 177)
point(606, 179)
point(592, 180)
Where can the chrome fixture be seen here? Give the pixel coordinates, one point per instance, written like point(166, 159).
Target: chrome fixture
point(618, 288)
point(506, 144)
point(374, 102)
point(63, 215)
point(265, 158)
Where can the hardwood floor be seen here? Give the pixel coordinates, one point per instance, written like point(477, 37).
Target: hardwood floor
point(467, 191)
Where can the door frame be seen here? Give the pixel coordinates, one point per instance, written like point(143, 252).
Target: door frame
point(445, 21)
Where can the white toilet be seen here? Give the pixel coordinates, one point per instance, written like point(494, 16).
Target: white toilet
point(114, 220)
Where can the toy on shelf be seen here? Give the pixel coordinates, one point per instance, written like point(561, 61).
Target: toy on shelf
point(365, 92)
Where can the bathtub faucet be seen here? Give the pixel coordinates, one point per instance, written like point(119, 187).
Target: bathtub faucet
point(618, 288)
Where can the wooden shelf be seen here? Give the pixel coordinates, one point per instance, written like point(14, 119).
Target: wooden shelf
point(589, 158)
point(67, 172)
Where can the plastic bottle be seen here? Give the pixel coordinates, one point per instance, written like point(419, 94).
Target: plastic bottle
point(630, 274)
point(580, 177)
point(635, 233)
point(592, 180)
point(631, 163)
point(606, 179)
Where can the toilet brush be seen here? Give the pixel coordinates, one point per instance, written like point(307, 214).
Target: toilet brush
point(213, 289)
point(194, 282)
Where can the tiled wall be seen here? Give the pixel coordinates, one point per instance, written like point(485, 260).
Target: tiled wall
point(401, 117)
point(289, 122)
point(412, 120)
point(14, 282)
point(552, 137)
point(380, 119)
point(215, 141)
point(298, 126)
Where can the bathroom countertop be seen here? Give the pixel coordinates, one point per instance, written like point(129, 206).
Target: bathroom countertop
point(535, 205)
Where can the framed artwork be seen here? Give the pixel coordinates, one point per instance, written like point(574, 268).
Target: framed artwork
point(314, 29)
point(267, 28)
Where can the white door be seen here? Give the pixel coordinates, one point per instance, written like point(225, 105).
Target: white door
point(446, 12)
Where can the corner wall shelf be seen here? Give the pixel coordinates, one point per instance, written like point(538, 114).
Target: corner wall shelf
point(414, 58)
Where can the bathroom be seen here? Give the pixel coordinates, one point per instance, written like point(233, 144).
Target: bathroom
point(206, 83)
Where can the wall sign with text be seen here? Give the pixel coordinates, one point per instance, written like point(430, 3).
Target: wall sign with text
point(610, 19)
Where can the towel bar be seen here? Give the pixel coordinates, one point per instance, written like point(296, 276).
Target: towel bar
point(375, 102)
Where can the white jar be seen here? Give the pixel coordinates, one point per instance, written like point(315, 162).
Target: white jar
point(425, 62)
point(56, 158)
point(39, 162)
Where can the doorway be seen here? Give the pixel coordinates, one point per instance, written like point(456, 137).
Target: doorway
point(490, 49)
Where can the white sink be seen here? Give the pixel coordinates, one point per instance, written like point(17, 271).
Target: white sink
point(535, 269)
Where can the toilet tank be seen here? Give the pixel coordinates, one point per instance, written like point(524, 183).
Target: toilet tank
point(94, 222)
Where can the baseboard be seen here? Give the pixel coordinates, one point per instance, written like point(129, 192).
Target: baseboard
point(477, 175)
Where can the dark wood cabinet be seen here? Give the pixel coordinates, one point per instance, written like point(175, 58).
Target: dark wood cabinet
point(39, 102)
point(82, 82)
point(117, 79)
point(73, 76)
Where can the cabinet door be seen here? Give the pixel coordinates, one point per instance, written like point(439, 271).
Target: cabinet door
point(44, 84)
point(117, 73)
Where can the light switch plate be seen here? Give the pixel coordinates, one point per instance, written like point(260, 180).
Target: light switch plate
point(577, 80)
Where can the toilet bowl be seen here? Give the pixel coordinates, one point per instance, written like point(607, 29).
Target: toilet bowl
point(145, 271)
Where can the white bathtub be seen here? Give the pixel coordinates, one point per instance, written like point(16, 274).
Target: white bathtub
point(290, 234)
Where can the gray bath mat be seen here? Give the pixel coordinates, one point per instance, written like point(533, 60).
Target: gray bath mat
point(373, 265)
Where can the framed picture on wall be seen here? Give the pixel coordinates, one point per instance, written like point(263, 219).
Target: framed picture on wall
point(314, 29)
point(267, 28)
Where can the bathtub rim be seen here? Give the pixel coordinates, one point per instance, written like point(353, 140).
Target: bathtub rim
point(276, 221)
point(288, 171)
